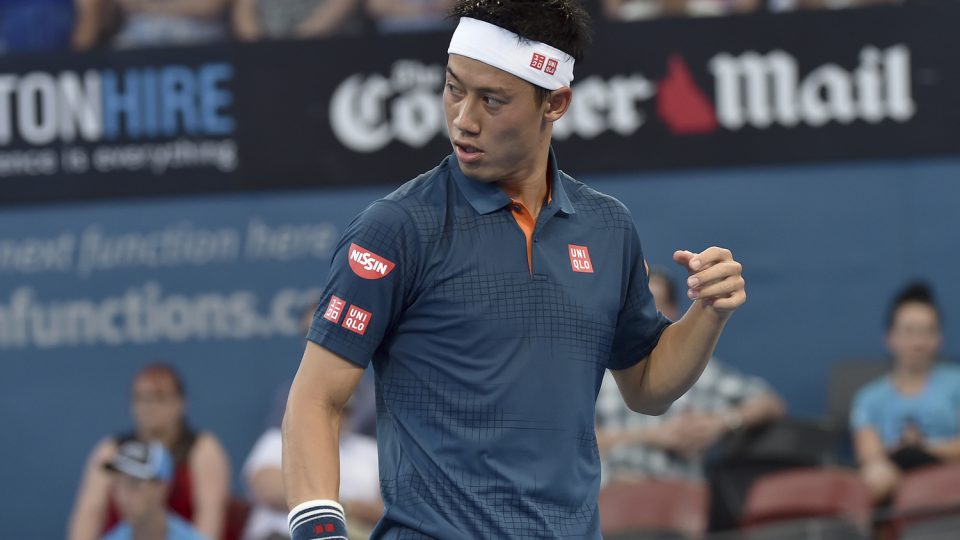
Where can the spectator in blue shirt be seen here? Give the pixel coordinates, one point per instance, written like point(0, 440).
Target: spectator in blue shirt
point(910, 417)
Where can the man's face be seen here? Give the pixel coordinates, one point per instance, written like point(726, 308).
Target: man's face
point(137, 498)
point(494, 121)
point(915, 337)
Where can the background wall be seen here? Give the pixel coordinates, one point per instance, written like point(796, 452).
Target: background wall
point(823, 247)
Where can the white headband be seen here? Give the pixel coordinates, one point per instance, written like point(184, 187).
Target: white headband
point(532, 61)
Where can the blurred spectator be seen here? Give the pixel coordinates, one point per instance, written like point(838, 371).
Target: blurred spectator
point(35, 25)
point(142, 473)
point(276, 19)
point(201, 480)
point(359, 484)
point(673, 445)
point(158, 23)
point(410, 15)
point(634, 10)
point(910, 417)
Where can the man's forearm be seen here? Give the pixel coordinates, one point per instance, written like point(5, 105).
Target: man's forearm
point(311, 456)
point(675, 363)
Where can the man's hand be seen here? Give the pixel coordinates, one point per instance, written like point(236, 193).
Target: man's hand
point(714, 278)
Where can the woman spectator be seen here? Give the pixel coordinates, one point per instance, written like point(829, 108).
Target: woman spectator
point(201, 482)
point(910, 417)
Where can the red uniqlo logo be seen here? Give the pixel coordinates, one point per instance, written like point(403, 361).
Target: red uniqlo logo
point(551, 66)
point(334, 310)
point(580, 259)
point(538, 61)
point(357, 320)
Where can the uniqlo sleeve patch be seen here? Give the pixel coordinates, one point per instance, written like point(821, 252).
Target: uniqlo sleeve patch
point(358, 320)
point(368, 264)
point(334, 310)
point(580, 259)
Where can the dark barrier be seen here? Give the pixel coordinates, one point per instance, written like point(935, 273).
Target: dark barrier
point(870, 83)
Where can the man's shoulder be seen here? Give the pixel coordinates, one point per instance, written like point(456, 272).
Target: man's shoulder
point(423, 188)
point(875, 391)
point(417, 202)
point(949, 373)
point(595, 204)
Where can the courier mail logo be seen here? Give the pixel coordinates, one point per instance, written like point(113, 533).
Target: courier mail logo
point(765, 90)
point(368, 264)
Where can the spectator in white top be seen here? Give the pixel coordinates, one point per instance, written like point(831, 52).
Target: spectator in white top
point(359, 485)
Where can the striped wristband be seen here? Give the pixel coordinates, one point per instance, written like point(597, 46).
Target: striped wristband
point(317, 520)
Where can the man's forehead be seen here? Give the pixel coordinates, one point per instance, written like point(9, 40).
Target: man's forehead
point(478, 74)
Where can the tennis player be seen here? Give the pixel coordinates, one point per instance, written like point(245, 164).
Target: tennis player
point(491, 294)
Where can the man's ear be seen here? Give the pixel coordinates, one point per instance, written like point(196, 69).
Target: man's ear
point(558, 103)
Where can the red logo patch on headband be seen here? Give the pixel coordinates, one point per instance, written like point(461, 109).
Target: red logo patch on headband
point(551, 68)
point(538, 61)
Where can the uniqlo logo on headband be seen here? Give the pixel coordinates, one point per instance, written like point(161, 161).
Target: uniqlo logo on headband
point(334, 310)
point(538, 61)
point(551, 68)
point(358, 320)
point(580, 259)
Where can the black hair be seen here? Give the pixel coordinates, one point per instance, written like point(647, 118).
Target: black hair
point(562, 24)
point(915, 292)
point(662, 273)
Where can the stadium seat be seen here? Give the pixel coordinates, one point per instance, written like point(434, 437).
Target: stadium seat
point(805, 503)
point(653, 509)
point(927, 503)
point(238, 511)
point(847, 376)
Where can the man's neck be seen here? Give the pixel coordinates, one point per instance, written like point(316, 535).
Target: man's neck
point(532, 188)
point(151, 527)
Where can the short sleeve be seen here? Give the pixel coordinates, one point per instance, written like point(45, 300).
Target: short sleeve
point(639, 324)
point(365, 290)
point(863, 412)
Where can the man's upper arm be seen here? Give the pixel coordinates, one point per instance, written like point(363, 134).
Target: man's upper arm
point(639, 324)
point(370, 275)
point(325, 378)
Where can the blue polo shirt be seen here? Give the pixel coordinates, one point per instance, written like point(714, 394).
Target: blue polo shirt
point(487, 369)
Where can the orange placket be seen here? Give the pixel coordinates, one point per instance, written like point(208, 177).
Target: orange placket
point(527, 223)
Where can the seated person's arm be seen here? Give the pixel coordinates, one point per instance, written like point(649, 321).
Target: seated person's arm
point(948, 450)
point(311, 425)
point(326, 18)
point(608, 439)
point(210, 472)
point(246, 20)
point(90, 508)
point(266, 487)
point(761, 409)
point(368, 512)
point(395, 8)
point(205, 9)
